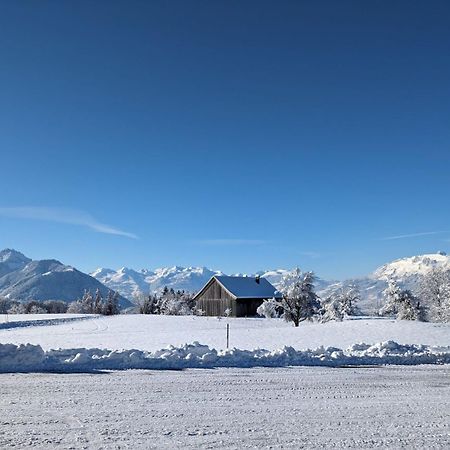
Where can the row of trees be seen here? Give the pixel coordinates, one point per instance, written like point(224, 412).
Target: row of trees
point(33, 307)
point(88, 304)
point(430, 302)
point(402, 303)
point(433, 294)
point(300, 302)
point(170, 302)
point(96, 304)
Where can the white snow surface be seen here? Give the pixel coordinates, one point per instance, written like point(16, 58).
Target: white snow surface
point(153, 332)
point(172, 342)
point(388, 407)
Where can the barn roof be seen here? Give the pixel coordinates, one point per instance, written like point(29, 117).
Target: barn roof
point(245, 287)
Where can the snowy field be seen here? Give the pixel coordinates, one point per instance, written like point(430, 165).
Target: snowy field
point(86, 344)
point(153, 332)
point(314, 407)
point(235, 404)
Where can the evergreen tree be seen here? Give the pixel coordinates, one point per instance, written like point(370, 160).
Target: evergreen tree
point(87, 302)
point(149, 305)
point(111, 306)
point(98, 302)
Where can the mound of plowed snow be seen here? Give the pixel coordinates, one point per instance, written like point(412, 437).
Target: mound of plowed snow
point(32, 358)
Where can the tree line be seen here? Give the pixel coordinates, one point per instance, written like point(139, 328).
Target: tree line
point(299, 302)
point(87, 304)
point(33, 307)
point(96, 304)
point(430, 301)
point(169, 302)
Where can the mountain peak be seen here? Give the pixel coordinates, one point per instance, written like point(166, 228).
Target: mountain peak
point(418, 265)
point(10, 255)
point(11, 260)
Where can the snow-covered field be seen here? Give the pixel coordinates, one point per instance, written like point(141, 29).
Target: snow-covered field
point(234, 405)
point(314, 407)
point(153, 332)
point(174, 342)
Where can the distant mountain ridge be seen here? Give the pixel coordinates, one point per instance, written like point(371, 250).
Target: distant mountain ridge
point(24, 279)
point(406, 271)
point(131, 283)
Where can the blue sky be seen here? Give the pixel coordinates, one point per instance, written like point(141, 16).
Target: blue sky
point(235, 135)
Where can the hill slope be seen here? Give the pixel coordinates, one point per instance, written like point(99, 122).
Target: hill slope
point(24, 279)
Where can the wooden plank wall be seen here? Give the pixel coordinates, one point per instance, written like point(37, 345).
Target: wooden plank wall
point(215, 300)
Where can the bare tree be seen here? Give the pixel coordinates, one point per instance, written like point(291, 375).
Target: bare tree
point(299, 302)
point(341, 303)
point(434, 292)
point(268, 308)
point(401, 302)
point(332, 309)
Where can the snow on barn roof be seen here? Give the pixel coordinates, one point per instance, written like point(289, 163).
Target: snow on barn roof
point(248, 287)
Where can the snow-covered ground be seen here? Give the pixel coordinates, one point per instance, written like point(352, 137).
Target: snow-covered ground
point(10, 321)
point(6, 318)
point(314, 407)
point(235, 405)
point(174, 342)
point(153, 332)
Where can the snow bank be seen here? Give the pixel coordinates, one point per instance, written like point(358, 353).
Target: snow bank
point(32, 358)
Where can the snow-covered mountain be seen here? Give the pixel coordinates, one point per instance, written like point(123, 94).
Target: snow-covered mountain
point(131, 283)
point(24, 279)
point(406, 271)
point(409, 270)
point(11, 260)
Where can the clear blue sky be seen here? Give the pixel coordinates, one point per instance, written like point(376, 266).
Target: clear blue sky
point(235, 135)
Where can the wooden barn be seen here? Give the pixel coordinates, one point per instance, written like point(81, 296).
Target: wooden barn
point(240, 295)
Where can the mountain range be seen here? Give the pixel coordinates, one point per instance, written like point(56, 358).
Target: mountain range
point(23, 279)
point(407, 272)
